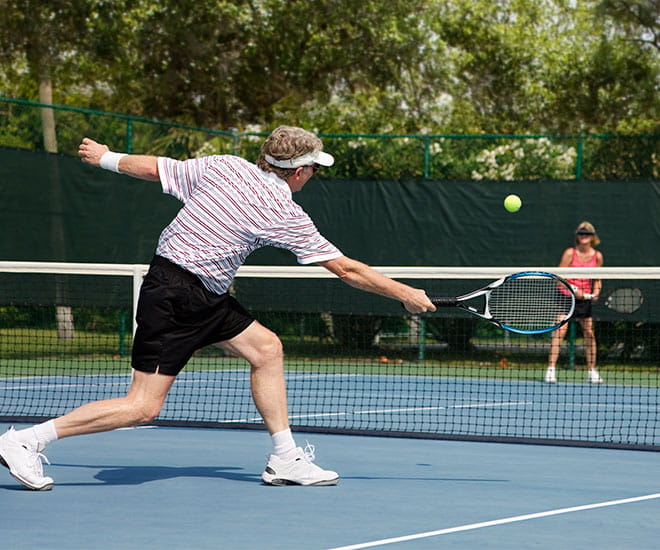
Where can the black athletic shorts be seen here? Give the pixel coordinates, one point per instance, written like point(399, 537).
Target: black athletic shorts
point(582, 309)
point(177, 315)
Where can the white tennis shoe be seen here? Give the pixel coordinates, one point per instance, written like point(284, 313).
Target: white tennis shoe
point(594, 377)
point(24, 462)
point(551, 375)
point(301, 470)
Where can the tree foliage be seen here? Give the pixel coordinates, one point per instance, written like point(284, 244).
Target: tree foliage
point(415, 66)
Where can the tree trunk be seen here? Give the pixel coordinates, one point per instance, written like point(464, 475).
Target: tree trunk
point(47, 115)
point(64, 315)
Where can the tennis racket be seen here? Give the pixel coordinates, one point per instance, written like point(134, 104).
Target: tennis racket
point(624, 300)
point(531, 302)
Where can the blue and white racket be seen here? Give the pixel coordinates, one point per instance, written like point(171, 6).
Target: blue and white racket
point(530, 302)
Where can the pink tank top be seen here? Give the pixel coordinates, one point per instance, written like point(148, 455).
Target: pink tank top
point(583, 284)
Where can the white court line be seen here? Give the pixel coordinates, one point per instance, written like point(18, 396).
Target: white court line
point(52, 386)
point(136, 428)
point(439, 408)
point(384, 411)
point(492, 523)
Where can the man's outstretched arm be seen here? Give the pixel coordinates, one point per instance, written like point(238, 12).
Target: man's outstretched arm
point(144, 167)
point(360, 275)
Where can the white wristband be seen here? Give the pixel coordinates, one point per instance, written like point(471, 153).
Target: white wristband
point(110, 161)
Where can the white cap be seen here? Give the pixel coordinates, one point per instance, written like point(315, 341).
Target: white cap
point(314, 157)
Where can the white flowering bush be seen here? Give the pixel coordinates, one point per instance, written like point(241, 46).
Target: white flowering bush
point(249, 140)
point(256, 132)
point(437, 157)
point(436, 147)
point(208, 148)
point(526, 159)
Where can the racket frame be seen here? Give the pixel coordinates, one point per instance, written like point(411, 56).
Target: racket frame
point(459, 301)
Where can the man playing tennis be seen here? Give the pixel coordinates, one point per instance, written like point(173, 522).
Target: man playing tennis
point(230, 208)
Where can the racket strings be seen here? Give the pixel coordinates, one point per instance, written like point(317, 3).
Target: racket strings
point(531, 303)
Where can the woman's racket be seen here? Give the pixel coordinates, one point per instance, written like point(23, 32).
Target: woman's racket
point(531, 302)
point(624, 300)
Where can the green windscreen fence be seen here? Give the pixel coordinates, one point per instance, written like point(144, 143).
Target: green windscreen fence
point(55, 208)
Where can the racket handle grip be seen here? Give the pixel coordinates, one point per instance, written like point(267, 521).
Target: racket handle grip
point(444, 302)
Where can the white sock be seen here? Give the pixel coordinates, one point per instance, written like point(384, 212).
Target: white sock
point(284, 445)
point(38, 436)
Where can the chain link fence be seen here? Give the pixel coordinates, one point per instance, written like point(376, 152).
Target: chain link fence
point(358, 156)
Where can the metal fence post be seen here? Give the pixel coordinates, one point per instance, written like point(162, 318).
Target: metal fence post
point(578, 160)
point(235, 140)
point(427, 158)
point(129, 136)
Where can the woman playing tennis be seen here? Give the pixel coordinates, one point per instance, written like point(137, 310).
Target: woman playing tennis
point(583, 254)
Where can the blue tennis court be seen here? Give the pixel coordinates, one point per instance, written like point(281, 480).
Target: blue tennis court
point(200, 488)
point(193, 487)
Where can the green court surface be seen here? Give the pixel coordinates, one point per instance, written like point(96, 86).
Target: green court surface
point(103, 364)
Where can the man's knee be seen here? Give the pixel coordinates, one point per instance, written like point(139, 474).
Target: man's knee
point(147, 395)
point(144, 411)
point(269, 351)
point(273, 348)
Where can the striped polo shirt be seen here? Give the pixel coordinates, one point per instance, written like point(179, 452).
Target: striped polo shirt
point(230, 208)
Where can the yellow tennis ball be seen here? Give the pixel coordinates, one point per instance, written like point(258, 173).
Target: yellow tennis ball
point(512, 203)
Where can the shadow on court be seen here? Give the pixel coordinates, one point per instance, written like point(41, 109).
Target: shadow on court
point(444, 479)
point(137, 475)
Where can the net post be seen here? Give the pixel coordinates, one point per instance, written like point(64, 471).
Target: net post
point(122, 333)
point(137, 284)
point(571, 345)
point(421, 340)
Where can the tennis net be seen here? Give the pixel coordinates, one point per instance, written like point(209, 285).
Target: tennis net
point(355, 362)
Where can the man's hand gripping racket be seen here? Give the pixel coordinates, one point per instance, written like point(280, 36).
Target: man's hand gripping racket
point(418, 302)
point(531, 302)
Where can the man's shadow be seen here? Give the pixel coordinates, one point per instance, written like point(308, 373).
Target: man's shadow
point(137, 475)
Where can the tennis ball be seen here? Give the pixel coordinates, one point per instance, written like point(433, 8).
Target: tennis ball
point(512, 203)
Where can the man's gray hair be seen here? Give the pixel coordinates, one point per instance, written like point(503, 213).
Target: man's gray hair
point(287, 142)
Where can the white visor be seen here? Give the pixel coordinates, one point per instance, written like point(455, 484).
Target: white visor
point(315, 157)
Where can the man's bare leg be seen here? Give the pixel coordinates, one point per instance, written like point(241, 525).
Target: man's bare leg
point(141, 404)
point(263, 350)
point(289, 464)
point(20, 451)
